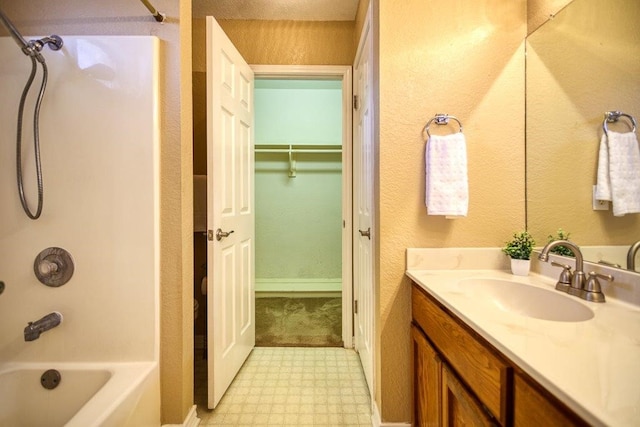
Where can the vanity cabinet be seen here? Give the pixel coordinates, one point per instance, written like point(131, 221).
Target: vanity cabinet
point(461, 380)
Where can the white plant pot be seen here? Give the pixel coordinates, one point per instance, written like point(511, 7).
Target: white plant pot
point(520, 267)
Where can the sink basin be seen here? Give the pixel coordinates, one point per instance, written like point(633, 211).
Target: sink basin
point(526, 300)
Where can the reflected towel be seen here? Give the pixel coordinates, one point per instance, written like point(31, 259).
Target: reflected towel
point(619, 172)
point(447, 189)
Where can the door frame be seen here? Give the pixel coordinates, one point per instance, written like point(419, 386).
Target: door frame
point(344, 73)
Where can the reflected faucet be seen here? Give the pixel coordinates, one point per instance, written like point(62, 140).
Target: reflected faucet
point(34, 329)
point(578, 278)
point(631, 256)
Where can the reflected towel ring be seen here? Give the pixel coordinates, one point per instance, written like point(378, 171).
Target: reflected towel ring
point(614, 116)
point(440, 120)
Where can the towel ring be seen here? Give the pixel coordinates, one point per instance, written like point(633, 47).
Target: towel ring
point(440, 120)
point(614, 116)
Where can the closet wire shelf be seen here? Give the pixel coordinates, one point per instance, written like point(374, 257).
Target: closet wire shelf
point(291, 150)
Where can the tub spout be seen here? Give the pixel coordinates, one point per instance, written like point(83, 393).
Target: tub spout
point(33, 330)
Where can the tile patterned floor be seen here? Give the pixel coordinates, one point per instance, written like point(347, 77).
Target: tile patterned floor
point(290, 386)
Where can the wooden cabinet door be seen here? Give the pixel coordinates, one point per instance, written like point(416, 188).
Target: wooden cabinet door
point(532, 409)
point(459, 407)
point(426, 381)
point(481, 369)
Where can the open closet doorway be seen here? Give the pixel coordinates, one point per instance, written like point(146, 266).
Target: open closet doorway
point(230, 191)
point(303, 206)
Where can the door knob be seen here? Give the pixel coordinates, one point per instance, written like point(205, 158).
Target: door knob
point(222, 234)
point(366, 233)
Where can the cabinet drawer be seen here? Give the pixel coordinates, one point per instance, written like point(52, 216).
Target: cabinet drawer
point(479, 367)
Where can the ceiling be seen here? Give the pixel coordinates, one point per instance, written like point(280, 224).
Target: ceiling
point(288, 10)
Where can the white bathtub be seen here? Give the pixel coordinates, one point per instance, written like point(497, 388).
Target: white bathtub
point(88, 394)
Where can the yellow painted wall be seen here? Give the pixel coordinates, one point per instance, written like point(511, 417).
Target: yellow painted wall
point(282, 42)
point(126, 17)
point(292, 42)
point(464, 59)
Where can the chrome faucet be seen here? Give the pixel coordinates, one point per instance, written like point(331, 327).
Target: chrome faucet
point(631, 256)
point(34, 329)
point(578, 277)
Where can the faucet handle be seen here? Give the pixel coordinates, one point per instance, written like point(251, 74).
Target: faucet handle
point(565, 267)
point(564, 281)
point(592, 290)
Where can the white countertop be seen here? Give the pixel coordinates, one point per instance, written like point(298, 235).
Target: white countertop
point(593, 366)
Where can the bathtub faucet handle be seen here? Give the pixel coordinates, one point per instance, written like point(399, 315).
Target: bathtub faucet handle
point(47, 268)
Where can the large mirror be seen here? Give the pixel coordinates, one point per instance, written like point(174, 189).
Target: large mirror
point(582, 62)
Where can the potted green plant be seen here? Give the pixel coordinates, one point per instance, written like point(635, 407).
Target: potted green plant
point(519, 250)
point(560, 250)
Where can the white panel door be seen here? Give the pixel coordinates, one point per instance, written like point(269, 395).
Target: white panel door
point(363, 207)
point(230, 206)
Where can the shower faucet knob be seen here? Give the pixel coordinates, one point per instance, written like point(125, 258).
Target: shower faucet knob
point(53, 267)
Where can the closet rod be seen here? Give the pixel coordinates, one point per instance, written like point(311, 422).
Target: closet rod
point(291, 149)
point(296, 150)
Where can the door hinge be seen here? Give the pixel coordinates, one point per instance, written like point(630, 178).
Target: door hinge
point(355, 306)
point(356, 102)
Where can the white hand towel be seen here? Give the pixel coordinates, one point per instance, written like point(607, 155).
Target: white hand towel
point(603, 184)
point(447, 188)
point(619, 172)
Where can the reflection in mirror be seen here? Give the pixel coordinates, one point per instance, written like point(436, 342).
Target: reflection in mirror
point(581, 63)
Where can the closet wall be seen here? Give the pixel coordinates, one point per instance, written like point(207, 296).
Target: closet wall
point(298, 195)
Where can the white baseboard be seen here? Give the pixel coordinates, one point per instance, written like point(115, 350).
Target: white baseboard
point(298, 285)
point(305, 294)
point(376, 420)
point(191, 420)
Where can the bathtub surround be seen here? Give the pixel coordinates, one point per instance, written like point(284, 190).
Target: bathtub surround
point(100, 138)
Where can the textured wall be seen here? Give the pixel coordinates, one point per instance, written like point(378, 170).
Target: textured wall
point(539, 11)
point(466, 60)
point(292, 42)
point(126, 17)
point(578, 66)
point(281, 42)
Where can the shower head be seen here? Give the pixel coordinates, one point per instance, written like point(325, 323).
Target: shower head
point(35, 46)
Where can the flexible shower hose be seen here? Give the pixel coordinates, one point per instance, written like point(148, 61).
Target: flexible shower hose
point(36, 139)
